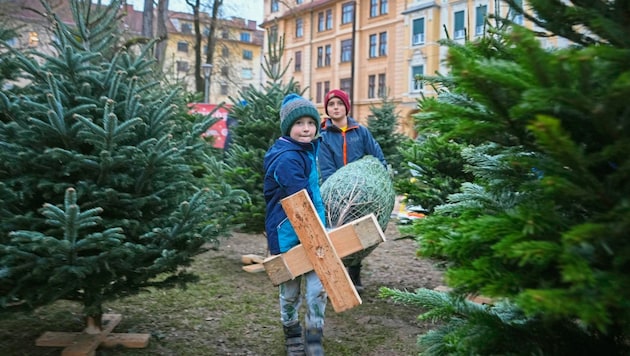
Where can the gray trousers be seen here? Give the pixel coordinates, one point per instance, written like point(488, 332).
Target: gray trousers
point(291, 300)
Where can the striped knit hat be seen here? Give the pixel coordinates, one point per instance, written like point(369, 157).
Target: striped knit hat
point(294, 107)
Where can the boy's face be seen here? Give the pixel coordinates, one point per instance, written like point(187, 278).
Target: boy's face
point(304, 129)
point(336, 108)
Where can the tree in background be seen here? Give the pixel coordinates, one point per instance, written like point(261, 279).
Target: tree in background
point(106, 188)
point(383, 124)
point(257, 112)
point(542, 226)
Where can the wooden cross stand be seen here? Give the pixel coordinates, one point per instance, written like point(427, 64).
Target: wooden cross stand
point(85, 343)
point(321, 251)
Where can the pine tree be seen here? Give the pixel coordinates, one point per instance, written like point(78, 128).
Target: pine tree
point(383, 124)
point(100, 175)
point(257, 112)
point(542, 226)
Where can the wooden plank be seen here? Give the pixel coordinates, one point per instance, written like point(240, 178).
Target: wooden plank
point(255, 268)
point(86, 344)
point(250, 259)
point(347, 239)
point(320, 251)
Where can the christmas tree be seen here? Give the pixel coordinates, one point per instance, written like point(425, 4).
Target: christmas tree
point(383, 124)
point(257, 112)
point(541, 226)
point(107, 187)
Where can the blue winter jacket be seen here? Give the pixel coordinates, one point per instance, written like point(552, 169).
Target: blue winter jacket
point(339, 148)
point(290, 166)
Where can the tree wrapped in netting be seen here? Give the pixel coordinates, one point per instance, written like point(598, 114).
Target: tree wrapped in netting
point(358, 189)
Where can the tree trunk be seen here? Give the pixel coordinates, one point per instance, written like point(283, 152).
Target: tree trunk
point(162, 34)
point(216, 5)
point(147, 19)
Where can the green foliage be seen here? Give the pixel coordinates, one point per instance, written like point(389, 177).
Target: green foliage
point(383, 124)
point(541, 216)
point(257, 112)
point(118, 168)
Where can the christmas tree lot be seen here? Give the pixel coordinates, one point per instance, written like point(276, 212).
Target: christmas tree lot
point(539, 218)
point(107, 187)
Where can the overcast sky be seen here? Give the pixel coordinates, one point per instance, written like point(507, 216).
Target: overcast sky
point(247, 9)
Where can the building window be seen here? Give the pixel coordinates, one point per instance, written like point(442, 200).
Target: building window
point(318, 92)
point(345, 84)
point(416, 82)
point(225, 71)
point(247, 73)
point(247, 54)
point(417, 37)
point(225, 34)
point(225, 52)
point(347, 12)
point(382, 89)
point(320, 56)
point(480, 19)
point(320, 22)
point(373, 8)
point(346, 50)
point(373, 43)
point(224, 89)
point(371, 86)
point(246, 37)
point(326, 86)
point(382, 48)
point(328, 55)
point(186, 28)
point(182, 66)
point(384, 7)
point(299, 27)
point(515, 16)
point(298, 2)
point(275, 5)
point(206, 31)
point(298, 61)
point(460, 31)
point(182, 46)
point(329, 19)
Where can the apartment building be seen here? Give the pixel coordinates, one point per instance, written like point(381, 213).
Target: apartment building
point(237, 57)
point(374, 48)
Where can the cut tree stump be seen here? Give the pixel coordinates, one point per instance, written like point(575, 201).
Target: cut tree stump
point(320, 252)
point(85, 344)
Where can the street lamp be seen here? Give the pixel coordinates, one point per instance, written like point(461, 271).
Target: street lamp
point(207, 68)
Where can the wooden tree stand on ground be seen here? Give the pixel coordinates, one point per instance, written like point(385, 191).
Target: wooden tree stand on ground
point(322, 251)
point(85, 343)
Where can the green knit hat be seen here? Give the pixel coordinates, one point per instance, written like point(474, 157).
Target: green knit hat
point(294, 107)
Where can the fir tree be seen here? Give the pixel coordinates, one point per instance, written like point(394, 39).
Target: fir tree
point(383, 124)
point(542, 226)
point(257, 112)
point(99, 173)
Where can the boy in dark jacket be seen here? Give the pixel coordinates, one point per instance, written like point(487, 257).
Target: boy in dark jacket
point(290, 166)
point(344, 140)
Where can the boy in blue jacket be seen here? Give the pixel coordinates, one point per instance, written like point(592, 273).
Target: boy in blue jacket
point(290, 166)
point(344, 140)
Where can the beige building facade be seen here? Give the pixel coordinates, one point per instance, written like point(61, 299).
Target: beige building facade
point(374, 48)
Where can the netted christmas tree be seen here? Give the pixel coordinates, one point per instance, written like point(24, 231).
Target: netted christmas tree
point(106, 189)
point(542, 226)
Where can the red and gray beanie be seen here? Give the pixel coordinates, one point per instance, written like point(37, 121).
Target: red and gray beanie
point(337, 93)
point(294, 107)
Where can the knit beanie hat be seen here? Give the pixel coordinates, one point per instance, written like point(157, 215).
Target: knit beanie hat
point(294, 107)
point(338, 93)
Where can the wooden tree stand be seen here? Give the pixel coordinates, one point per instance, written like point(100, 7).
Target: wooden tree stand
point(85, 343)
